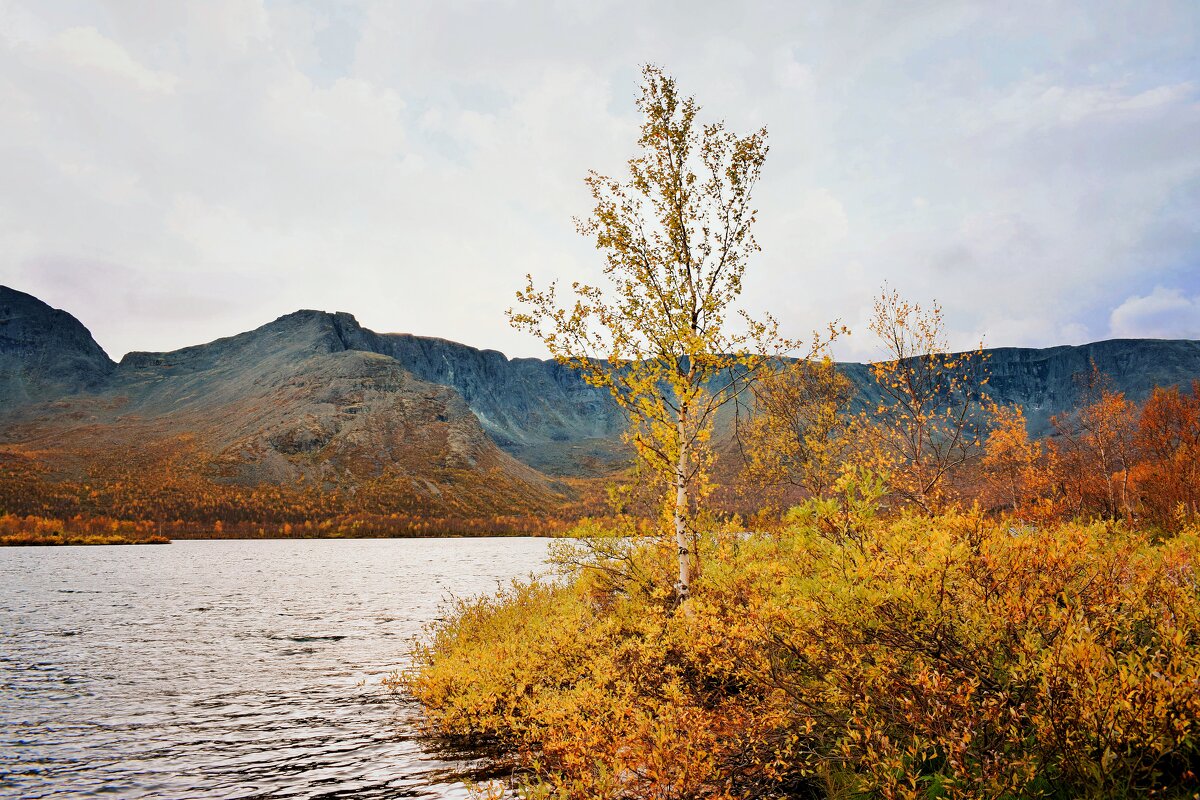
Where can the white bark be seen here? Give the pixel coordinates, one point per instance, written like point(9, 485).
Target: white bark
point(684, 587)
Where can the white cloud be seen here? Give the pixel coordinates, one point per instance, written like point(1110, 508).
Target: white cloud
point(89, 49)
point(1162, 314)
point(411, 162)
point(1040, 105)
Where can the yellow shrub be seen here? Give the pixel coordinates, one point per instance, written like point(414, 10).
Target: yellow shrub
point(943, 657)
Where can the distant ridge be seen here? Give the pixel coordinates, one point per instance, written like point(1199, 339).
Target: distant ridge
point(45, 352)
point(291, 405)
point(313, 398)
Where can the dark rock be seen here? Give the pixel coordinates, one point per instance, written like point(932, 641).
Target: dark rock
point(315, 386)
point(45, 352)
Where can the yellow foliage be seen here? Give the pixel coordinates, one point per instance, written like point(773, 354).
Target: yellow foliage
point(33, 530)
point(676, 237)
point(949, 656)
point(928, 425)
point(799, 435)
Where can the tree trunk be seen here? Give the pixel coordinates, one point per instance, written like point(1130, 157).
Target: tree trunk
point(1108, 483)
point(1125, 491)
point(684, 587)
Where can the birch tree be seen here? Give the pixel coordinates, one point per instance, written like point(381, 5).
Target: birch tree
point(932, 408)
point(800, 435)
point(676, 236)
point(1094, 446)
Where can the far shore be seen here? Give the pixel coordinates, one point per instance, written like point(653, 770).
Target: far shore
point(54, 540)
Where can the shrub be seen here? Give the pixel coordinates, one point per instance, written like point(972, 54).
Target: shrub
point(953, 656)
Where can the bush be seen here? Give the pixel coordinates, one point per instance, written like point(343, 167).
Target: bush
point(917, 657)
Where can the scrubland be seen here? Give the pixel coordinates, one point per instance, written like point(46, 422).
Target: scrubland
point(847, 653)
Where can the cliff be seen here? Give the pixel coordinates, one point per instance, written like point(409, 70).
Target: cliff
point(45, 352)
point(316, 399)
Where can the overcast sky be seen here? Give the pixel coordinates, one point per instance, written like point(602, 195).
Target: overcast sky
point(172, 172)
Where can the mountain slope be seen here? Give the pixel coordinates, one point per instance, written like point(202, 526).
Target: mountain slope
point(44, 352)
point(313, 411)
point(541, 412)
point(286, 405)
point(547, 416)
point(1046, 381)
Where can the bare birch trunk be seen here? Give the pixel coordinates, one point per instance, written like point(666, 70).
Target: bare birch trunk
point(684, 587)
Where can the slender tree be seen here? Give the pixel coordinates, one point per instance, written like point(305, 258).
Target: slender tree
point(1168, 441)
point(1095, 445)
point(799, 436)
point(1015, 469)
point(676, 238)
point(930, 416)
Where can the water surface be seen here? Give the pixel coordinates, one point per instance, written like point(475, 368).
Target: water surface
point(231, 669)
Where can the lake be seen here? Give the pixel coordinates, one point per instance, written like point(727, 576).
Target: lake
point(231, 669)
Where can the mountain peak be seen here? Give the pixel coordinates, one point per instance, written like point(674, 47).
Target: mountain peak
point(298, 334)
point(44, 351)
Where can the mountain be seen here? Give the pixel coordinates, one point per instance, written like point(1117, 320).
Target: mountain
point(45, 352)
point(313, 413)
point(541, 412)
point(548, 417)
point(201, 431)
point(1046, 381)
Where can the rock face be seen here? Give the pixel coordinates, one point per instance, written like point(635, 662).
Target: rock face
point(45, 352)
point(1045, 382)
point(290, 399)
point(288, 404)
point(541, 412)
point(315, 397)
point(548, 417)
point(538, 411)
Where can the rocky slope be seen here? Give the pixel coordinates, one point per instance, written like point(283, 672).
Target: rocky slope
point(288, 404)
point(315, 399)
point(1046, 381)
point(545, 415)
point(45, 352)
point(539, 411)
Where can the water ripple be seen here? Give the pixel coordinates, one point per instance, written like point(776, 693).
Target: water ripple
point(231, 669)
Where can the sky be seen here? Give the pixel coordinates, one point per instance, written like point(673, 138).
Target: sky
point(174, 172)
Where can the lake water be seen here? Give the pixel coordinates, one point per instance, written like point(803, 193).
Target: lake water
point(231, 669)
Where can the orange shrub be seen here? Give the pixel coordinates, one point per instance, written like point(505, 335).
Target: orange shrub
point(952, 656)
point(1168, 439)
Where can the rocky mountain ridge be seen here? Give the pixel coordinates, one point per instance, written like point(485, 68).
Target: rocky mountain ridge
point(313, 396)
point(45, 352)
point(288, 405)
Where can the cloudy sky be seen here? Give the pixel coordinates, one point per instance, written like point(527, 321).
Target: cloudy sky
point(171, 172)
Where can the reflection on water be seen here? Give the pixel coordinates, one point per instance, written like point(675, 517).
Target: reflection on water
point(227, 668)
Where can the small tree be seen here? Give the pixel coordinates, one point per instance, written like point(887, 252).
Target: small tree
point(1168, 441)
point(1015, 469)
point(930, 415)
point(1094, 447)
point(799, 435)
point(676, 237)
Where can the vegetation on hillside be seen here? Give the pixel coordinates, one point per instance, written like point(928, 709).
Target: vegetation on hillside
point(166, 487)
point(31, 530)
